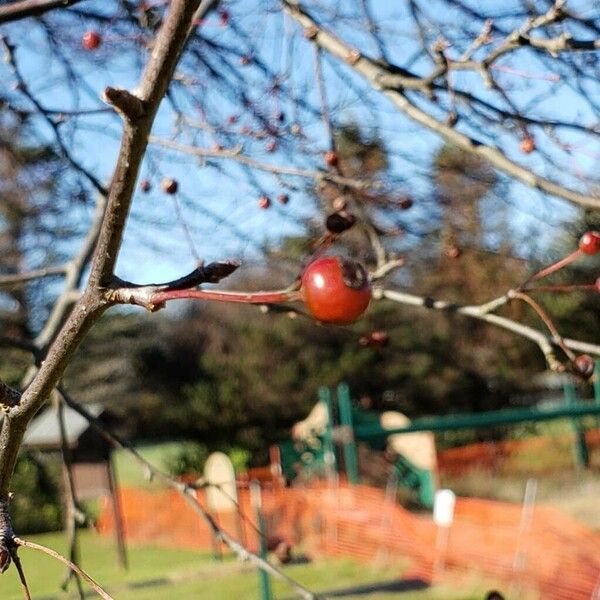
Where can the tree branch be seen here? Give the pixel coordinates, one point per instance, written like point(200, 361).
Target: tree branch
point(80, 572)
point(483, 312)
point(167, 49)
point(8, 396)
point(376, 72)
point(189, 495)
point(237, 156)
point(31, 8)
point(17, 279)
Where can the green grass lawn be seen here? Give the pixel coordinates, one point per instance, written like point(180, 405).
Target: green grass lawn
point(158, 573)
point(129, 471)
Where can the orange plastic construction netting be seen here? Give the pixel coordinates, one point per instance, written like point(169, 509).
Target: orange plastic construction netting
point(553, 554)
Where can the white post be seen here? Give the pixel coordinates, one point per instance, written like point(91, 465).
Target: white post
point(520, 557)
point(443, 515)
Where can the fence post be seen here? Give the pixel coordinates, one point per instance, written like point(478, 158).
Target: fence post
point(350, 452)
point(329, 447)
point(263, 576)
point(582, 457)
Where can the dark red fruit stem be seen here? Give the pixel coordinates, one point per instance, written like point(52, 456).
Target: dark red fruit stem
point(275, 297)
point(547, 321)
point(563, 262)
point(561, 288)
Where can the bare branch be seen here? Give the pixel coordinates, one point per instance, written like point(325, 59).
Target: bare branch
point(23, 87)
point(21, 572)
point(483, 313)
point(168, 46)
point(236, 155)
point(74, 273)
point(17, 279)
point(31, 8)
point(33, 546)
point(375, 73)
point(125, 103)
point(189, 495)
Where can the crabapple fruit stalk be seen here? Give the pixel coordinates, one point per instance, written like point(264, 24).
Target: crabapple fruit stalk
point(335, 290)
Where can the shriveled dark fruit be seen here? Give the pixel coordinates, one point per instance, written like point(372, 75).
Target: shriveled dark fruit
point(405, 203)
point(283, 198)
point(224, 17)
point(331, 158)
point(145, 185)
point(169, 186)
point(452, 119)
point(453, 251)
point(527, 145)
point(264, 202)
point(339, 222)
point(583, 365)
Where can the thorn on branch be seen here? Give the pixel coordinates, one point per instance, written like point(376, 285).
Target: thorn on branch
point(9, 397)
point(210, 273)
point(125, 103)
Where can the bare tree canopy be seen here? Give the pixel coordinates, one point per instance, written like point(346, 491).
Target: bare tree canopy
point(170, 140)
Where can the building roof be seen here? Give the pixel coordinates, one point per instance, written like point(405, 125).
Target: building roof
point(44, 430)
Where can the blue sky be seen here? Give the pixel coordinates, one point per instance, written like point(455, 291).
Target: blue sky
point(220, 208)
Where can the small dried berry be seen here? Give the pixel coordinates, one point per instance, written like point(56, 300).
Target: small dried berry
point(453, 251)
point(584, 365)
point(527, 145)
point(91, 40)
point(224, 17)
point(331, 158)
point(405, 203)
point(169, 186)
point(338, 222)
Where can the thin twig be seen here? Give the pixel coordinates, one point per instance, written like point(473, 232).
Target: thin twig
point(547, 321)
point(237, 156)
point(19, 566)
point(188, 492)
point(33, 546)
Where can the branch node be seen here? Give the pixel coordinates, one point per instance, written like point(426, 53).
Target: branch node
point(310, 32)
point(353, 57)
point(129, 106)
